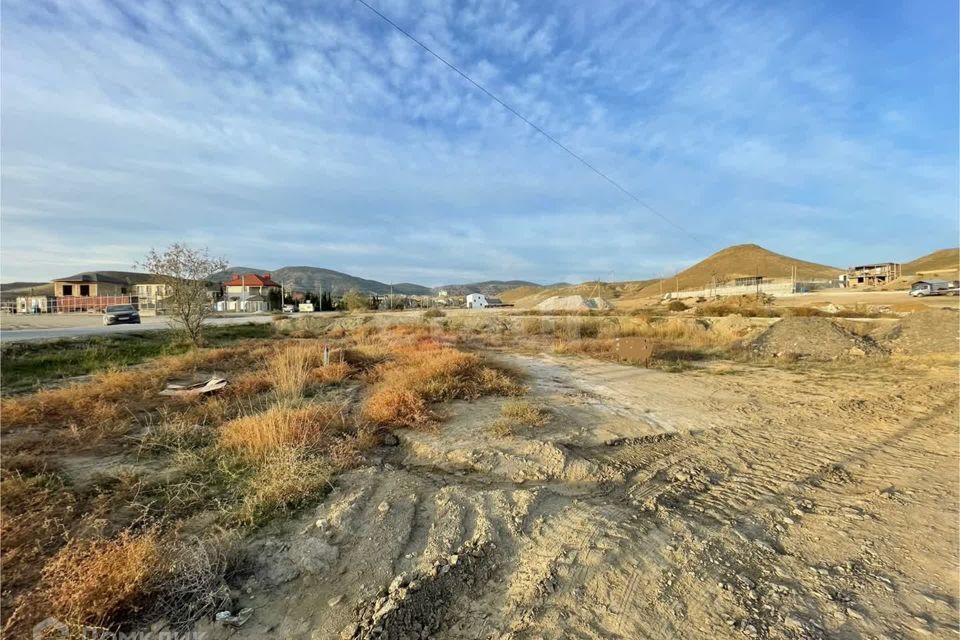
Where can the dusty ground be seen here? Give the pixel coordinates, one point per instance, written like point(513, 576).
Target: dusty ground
point(733, 501)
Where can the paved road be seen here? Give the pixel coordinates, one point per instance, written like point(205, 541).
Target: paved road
point(149, 324)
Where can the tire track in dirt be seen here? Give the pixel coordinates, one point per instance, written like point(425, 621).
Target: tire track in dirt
point(671, 506)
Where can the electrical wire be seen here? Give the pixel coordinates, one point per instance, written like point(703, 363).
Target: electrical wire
point(536, 128)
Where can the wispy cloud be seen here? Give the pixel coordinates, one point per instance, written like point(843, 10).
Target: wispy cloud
point(286, 134)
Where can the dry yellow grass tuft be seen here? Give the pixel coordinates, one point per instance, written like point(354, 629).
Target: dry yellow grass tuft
point(518, 413)
point(332, 373)
point(258, 435)
point(95, 581)
point(424, 371)
point(97, 406)
point(289, 367)
point(286, 479)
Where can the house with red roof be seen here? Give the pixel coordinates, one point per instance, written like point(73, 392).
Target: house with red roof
point(248, 292)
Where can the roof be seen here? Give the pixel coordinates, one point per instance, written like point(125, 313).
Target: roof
point(92, 277)
point(930, 282)
point(491, 300)
point(250, 280)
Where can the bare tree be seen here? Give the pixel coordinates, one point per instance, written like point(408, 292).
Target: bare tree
point(185, 271)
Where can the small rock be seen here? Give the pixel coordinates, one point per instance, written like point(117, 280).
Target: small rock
point(391, 440)
point(383, 507)
point(398, 582)
point(750, 630)
point(226, 618)
point(334, 601)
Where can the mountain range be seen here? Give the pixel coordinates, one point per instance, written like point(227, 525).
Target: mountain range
point(304, 278)
point(738, 260)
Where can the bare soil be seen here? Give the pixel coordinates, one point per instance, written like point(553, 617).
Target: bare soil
point(729, 501)
point(814, 339)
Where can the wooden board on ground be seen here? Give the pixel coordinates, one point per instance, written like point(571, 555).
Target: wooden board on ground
point(634, 349)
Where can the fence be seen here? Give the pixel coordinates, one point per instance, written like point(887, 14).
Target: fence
point(93, 304)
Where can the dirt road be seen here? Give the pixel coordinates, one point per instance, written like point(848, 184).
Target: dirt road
point(734, 502)
point(27, 328)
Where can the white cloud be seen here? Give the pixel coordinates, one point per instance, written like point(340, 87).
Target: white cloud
point(344, 144)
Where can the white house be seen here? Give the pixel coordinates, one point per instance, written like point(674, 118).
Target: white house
point(476, 301)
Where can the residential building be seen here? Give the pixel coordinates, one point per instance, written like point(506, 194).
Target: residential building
point(248, 292)
point(90, 285)
point(89, 291)
point(150, 296)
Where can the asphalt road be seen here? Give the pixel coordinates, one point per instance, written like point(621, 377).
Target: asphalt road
point(149, 324)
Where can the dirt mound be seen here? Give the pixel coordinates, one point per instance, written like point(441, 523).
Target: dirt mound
point(573, 303)
point(811, 339)
point(933, 331)
point(737, 325)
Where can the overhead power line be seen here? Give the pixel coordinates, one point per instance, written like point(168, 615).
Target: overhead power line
point(526, 120)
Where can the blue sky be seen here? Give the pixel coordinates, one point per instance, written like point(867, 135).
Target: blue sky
point(287, 134)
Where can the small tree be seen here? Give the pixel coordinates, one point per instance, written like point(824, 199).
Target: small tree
point(185, 272)
point(356, 301)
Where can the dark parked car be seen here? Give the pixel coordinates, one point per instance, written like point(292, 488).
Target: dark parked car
point(117, 313)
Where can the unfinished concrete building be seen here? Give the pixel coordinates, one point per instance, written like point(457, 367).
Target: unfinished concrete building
point(871, 274)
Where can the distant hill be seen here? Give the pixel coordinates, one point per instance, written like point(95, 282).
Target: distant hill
point(13, 286)
point(527, 296)
point(14, 289)
point(741, 260)
point(315, 279)
point(942, 260)
point(487, 288)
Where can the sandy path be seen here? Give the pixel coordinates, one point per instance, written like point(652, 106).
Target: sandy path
point(758, 503)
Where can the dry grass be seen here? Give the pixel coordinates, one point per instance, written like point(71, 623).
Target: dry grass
point(518, 413)
point(333, 373)
point(426, 371)
point(286, 480)
point(34, 512)
point(94, 582)
point(193, 582)
point(248, 385)
point(99, 406)
point(107, 404)
point(257, 436)
point(289, 368)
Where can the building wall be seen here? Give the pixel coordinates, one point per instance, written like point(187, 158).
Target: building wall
point(89, 289)
point(151, 291)
point(251, 291)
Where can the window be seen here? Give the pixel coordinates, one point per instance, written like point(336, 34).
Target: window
point(68, 289)
point(123, 290)
point(84, 290)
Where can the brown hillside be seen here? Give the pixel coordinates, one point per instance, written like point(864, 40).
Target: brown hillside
point(742, 260)
point(942, 260)
point(525, 297)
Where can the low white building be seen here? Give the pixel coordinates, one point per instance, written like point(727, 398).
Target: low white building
point(477, 301)
point(480, 301)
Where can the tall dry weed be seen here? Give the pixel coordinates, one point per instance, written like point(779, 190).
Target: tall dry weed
point(258, 435)
point(93, 582)
point(424, 372)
